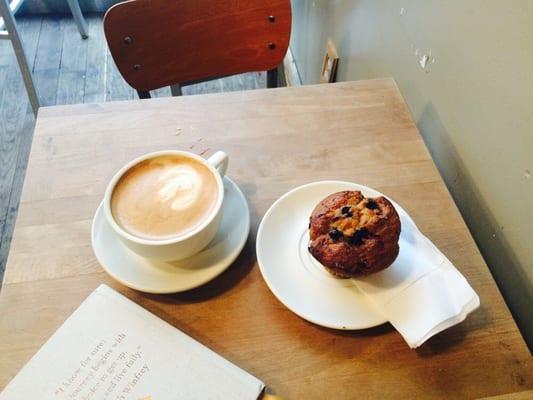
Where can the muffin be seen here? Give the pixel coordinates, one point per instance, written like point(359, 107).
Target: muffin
point(352, 235)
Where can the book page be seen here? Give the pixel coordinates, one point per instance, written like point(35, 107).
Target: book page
point(112, 349)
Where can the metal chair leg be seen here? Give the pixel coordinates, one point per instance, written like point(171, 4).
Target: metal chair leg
point(272, 78)
point(143, 94)
point(175, 90)
point(75, 9)
point(13, 35)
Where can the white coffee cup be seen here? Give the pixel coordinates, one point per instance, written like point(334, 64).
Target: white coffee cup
point(180, 246)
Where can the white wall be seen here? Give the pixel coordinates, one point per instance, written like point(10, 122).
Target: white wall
point(473, 105)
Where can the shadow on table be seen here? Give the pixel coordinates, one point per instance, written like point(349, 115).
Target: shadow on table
point(375, 331)
point(454, 336)
point(440, 343)
point(224, 282)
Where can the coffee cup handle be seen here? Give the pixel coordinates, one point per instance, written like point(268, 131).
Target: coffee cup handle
point(219, 161)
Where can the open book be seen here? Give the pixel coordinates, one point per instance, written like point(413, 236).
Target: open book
point(111, 348)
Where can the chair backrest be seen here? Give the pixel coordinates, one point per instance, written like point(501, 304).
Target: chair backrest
point(157, 43)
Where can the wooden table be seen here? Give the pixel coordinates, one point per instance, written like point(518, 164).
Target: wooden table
point(277, 139)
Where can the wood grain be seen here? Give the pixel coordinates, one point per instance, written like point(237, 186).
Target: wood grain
point(47, 65)
point(158, 43)
point(276, 139)
point(95, 77)
point(71, 81)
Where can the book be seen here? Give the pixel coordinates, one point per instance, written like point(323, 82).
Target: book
point(110, 348)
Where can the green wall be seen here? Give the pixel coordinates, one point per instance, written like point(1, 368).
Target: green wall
point(473, 104)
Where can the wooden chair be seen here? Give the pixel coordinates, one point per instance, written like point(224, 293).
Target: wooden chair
point(157, 43)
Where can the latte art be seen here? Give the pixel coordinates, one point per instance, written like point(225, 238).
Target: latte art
point(181, 187)
point(164, 197)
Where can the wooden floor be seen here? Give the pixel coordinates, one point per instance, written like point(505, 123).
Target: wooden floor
point(67, 70)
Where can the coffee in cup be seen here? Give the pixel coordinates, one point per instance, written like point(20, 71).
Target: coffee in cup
point(164, 197)
point(167, 205)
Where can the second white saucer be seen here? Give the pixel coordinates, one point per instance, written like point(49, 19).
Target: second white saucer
point(152, 276)
point(295, 277)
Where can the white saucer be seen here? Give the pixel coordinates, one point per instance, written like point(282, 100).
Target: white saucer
point(151, 276)
point(299, 281)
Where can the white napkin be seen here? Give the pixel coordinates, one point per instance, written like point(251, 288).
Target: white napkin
point(421, 293)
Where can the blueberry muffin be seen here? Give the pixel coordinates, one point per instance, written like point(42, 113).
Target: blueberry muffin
point(352, 235)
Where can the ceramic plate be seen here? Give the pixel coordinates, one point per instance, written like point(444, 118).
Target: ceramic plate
point(299, 281)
